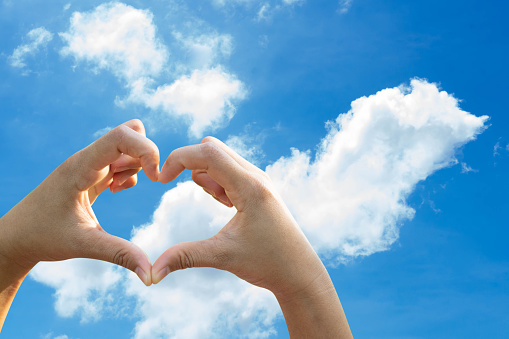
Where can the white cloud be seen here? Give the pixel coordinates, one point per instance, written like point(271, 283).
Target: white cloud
point(121, 39)
point(196, 303)
point(351, 199)
point(67, 6)
point(117, 38)
point(206, 98)
point(83, 287)
point(466, 169)
point(205, 50)
point(221, 3)
point(246, 147)
point(263, 12)
point(344, 6)
point(263, 41)
point(292, 2)
point(101, 132)
point(51, 336)
point(496, 149)
point(37, 38)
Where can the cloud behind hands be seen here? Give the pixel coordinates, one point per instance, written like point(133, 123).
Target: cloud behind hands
point(350, 200)
point(123, 40)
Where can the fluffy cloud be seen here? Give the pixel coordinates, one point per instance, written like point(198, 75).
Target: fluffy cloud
point(37, 38)
point(117, 38)
point(206, 98)
point(351, 199)
point(200, 302)
point(121, 39)
point(83, 287)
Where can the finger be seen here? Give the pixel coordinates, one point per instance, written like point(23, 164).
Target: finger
point(122, 184)
point(107, 247)
point(203, 253)
point(208, 157)
point(202, 179)
point(125, 162)
point(109, 148)
point(136, 125)
point(240, 160)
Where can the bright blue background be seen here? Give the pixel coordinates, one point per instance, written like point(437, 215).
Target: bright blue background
point(446, 277)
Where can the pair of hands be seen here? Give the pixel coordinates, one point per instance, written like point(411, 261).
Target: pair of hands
point(262, 244)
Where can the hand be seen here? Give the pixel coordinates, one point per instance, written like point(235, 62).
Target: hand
point(261, 244)
point(56, 221)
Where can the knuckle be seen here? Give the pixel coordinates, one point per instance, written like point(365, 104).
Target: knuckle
point(208, 139)
point(184, 260)
point(262, 189)
point(220, 255)
point(210, 150)
point(121, 257)
point(137, 124)
point(264, 175)
point(118, 133)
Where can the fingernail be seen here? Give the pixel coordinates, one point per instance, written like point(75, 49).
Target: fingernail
point(142, 275)
point(161, 274)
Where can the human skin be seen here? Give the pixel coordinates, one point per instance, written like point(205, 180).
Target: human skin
point(262, 244)
point(56, 220)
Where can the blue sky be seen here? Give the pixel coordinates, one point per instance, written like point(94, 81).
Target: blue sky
point(406, 200)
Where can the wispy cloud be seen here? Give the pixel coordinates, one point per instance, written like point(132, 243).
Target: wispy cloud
point(247, 147)
point(37, 38)
point(496, 149)
point(101, 132)
point(263, 12)
point(292, 2)
point(52, 336)
point(344, 6)
point(205, 50)
point(467, 169)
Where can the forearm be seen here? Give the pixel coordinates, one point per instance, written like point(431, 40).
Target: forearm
point(316, 312)
point(11, 277)
point(12, 272)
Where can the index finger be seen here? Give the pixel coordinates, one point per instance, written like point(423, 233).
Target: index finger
point(107, 149)
point(219, 165)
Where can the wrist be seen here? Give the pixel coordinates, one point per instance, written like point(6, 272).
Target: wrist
point(317, 287)
point(12, 263)
point(12, 272)
point(315, 311)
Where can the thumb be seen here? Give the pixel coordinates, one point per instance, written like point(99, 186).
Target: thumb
point(202, 253)
point(107, 247)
